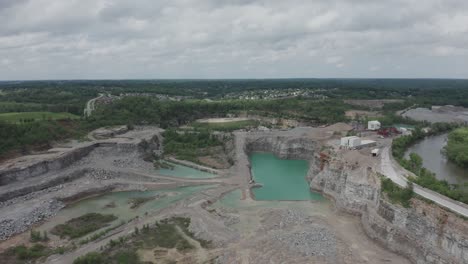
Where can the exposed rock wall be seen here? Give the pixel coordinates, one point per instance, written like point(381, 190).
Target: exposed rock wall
point(19, 174)
point(425, 233)
point(283, 147)
point(347, 188)
point(43, 185)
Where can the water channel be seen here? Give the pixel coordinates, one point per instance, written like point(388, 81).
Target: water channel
point(430, 150)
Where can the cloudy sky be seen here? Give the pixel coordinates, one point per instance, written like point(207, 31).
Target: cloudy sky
point(98, 39)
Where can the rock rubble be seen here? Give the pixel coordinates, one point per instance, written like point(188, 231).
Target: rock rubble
point(42, 211)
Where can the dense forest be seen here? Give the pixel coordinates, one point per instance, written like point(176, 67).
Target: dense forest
point(203, 98)
point(457, 147)
point(184, 145)
point(147, 110)
point(424, 91)
point(31, 135)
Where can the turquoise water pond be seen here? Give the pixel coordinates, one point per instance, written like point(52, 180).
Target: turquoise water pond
point(185, 172)
point(119, 204)
point(281, 179)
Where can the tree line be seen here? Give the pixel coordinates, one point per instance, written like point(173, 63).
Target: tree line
point(425, 177)
point(457, 147)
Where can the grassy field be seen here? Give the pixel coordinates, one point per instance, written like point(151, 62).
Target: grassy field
point(19, 117)
point(227, 126)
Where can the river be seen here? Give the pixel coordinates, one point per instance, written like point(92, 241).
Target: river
point(430, 150)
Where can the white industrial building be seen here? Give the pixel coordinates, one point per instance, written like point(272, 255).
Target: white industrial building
point(354, 142)
point(350, 142)
point(373, 125)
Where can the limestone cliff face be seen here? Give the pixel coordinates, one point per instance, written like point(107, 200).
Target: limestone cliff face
point(353, 190)
point(284, 147)
point(425, 233)
point(58, 163)
point(19, 174)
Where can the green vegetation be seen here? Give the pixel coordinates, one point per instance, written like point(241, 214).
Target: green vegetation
point(34, 252)
point(226, 126)
point(35, 135)
point(138, 201)
point(457, 147)
point(80, 226)
point(36, 236)
point(27, 117)
point(396, 194)
point(9, 107)
point(92, 258)
point(100, 234)
point(320, 102)
point(122, 257)
point(424, 177)
point(144, 110)
point(168, 230)
point(401, 144)
point(49, 96)
point(23, 254)
point(163, 234)
point(186, 145)
point(427, 179)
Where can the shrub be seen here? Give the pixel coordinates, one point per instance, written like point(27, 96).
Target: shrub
point(91, 258)
point(396, 194)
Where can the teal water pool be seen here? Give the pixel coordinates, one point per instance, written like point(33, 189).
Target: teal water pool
point(185, 172)
point(281, 179)
point(119, 204)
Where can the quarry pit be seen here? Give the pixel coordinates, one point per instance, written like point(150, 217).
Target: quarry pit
point(348, 220)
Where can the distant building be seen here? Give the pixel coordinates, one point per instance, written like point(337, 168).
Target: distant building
point(373, 125)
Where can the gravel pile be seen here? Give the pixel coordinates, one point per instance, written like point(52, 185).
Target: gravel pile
point(123, 163)
point(315, 240)
point(101, 174)
point(283, 219)
point(43, 211)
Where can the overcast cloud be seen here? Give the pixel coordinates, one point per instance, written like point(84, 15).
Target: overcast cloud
point(88, 39)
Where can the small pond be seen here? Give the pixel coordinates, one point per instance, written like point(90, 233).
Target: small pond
point(281, 179)
point(120, 204)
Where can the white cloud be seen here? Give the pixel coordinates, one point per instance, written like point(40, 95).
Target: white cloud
point(333, 59)
point(220, 38)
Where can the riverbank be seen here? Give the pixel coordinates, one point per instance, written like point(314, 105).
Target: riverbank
point(431, 150)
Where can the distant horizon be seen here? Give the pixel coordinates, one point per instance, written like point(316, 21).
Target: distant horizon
point(234, 79)
point(239, 39)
